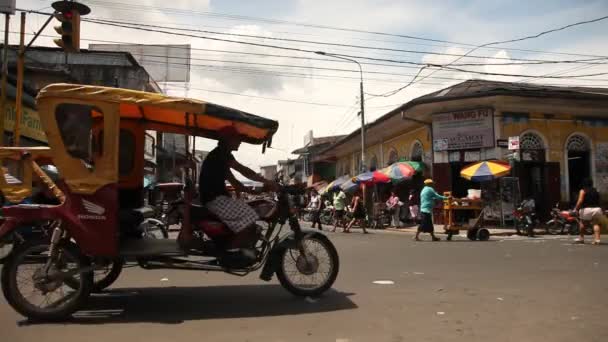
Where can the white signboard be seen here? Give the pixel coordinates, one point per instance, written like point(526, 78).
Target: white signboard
point(514, 143)
point(467, 129)
point(440, 145)
point(7, 6)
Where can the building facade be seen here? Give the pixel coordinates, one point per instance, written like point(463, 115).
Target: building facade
point(562, 133)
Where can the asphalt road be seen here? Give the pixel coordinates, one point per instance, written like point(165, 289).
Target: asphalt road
point(502, 290)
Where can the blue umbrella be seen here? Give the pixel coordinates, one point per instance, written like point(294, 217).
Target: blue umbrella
point(349, 186)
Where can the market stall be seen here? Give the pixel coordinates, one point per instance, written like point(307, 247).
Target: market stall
point(485, 171)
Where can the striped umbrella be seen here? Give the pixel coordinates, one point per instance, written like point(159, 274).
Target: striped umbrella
point(335, 184)
point(399, 171)
point(350, 186)
point(485, 170)
point(372, 177)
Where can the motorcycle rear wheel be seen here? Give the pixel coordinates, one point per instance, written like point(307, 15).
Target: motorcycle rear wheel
point(35, 253)
point(295, 266)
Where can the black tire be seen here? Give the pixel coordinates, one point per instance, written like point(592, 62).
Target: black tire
point(21, 305)
point(103, 283)
point(106, 280)
point(472, 234)
point(314, 292)
point(555, 228)
point(483, 234)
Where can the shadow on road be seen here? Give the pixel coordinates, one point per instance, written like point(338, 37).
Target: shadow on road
point(174, 305)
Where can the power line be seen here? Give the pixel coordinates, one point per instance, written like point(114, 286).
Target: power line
point(140, 8)
point(322, 76)
point(375, 48)
point(496, 43)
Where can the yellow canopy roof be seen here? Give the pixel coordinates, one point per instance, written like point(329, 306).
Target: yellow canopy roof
point(194, 116)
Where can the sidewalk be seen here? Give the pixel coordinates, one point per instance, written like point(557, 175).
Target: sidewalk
point(494, 231)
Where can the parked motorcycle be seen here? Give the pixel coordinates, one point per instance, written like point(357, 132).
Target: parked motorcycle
point(525, 218)
point(562, 222)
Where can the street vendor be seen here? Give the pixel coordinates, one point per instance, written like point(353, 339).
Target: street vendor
point(428, 196)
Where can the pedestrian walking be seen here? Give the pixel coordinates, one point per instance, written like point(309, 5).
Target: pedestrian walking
point(315, 206)
point(339, 207)
point(358, 210)
point(393, 205)
point(428, 196)
point(588, 206)
point(414, 205)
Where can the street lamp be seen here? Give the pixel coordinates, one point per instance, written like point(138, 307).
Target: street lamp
point(362, 113)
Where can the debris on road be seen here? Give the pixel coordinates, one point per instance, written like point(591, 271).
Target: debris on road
point(440, 313)
point(500, 299)
point(383, 282)
point(311, 300)
point(164, 279)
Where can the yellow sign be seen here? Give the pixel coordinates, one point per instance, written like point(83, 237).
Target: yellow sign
point(31, 127)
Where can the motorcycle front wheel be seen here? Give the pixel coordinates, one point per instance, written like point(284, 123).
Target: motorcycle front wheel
point(555, 228)
point(40, 293)
point(312, 274)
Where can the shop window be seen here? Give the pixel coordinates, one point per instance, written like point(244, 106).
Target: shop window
point(75, 123)
point(532, 147)
point(417, 152)
point(531, 141)
point(393, 157)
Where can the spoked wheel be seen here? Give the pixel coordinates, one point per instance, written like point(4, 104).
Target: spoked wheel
point(107, 275)
point(155, 230)
point(40, 293)
point(310, 274)
point(104, 276)
point(555, 228)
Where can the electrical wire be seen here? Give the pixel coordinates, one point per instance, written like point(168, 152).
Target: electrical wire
point(164, 10)
point(391, 93)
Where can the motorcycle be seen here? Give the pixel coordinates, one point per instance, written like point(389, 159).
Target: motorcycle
point(562, 222)
point(525, 219)
point(87, 229)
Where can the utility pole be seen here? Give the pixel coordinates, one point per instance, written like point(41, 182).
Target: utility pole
point(362, 102)
point(7, 19)
point(19, 95)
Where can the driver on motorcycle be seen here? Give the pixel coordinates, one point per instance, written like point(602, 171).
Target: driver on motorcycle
point(217, 168)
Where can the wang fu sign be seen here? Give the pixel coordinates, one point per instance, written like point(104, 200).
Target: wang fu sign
point(467, 129)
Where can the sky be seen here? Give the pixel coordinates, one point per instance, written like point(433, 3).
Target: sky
point(304, 91)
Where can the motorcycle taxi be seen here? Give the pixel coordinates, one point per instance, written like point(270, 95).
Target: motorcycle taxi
point(96, 138)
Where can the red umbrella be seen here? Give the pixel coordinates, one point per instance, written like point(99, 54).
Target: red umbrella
point(399, 171)
point(371, 177)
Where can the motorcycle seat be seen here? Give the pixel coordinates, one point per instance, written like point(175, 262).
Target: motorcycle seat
point(146, 211)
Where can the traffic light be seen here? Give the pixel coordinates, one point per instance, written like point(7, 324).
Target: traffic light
point(68, 13)
point(69, 31)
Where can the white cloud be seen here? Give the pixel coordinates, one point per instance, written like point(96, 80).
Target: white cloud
point(430, 18)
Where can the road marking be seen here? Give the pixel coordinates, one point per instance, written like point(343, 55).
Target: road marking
point(383, 282)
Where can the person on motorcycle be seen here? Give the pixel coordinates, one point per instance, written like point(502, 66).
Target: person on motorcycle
point(216, 169)
point(588, 206)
